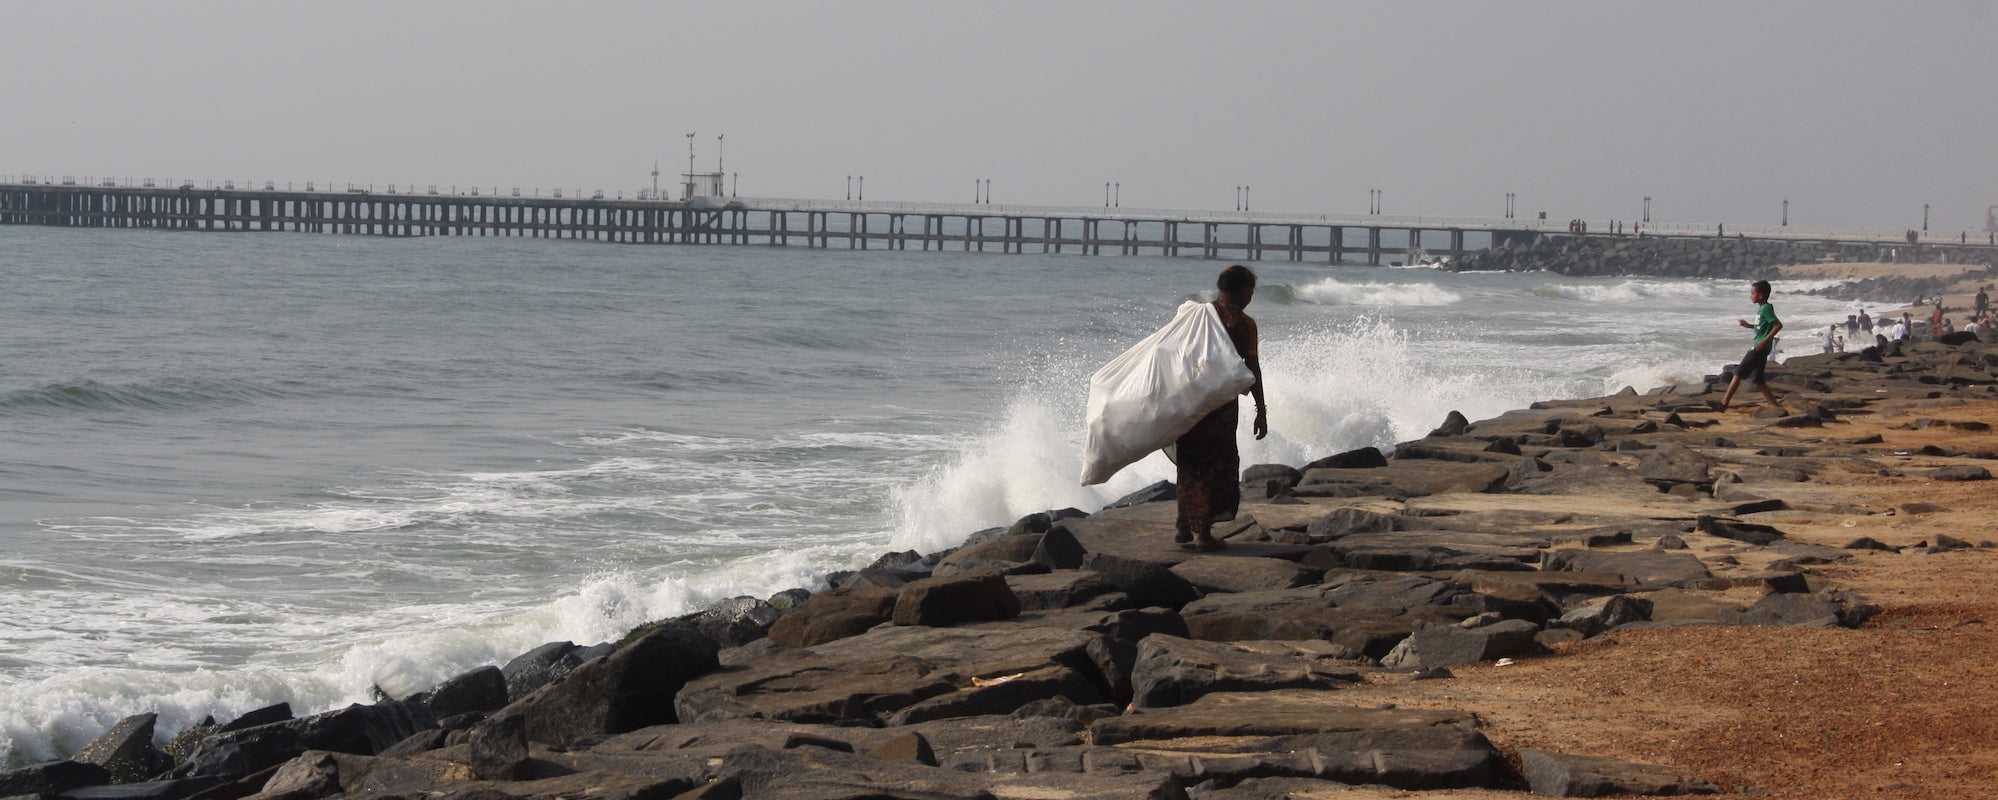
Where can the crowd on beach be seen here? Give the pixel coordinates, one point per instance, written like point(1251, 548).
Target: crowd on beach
point(1906, 326)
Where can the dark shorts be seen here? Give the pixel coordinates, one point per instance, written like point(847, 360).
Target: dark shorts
point(1754, 366)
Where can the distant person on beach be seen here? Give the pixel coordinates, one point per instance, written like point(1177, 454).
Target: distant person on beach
point(1209, 460)
point(1755, 364)
point(1983, 303)
point(1865, 321)
point(1834, 343)
point(1902, 328)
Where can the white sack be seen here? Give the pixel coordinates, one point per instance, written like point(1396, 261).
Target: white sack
point(1157, 390)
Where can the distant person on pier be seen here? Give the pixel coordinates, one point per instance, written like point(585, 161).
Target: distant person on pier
point(1209, 459)
point(1754, 365)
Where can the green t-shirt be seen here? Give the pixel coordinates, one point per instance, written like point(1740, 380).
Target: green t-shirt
point(1765, 319)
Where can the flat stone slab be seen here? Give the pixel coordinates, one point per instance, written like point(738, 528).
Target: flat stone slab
point(1288, 712)
point(1172, 671)
point(1404, 479)
point(1642, 567)
point(872, 677)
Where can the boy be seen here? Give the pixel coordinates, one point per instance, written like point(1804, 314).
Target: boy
point(1754, 365)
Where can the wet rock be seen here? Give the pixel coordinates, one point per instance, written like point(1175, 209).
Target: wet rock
point(629, 689)
point(499, 749)
point(1155, 493)
point(482, 689)
point(126, 751)
point(356, 729)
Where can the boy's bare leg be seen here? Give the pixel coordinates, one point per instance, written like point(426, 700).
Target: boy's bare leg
point(1770, 395)
point(1729, 397)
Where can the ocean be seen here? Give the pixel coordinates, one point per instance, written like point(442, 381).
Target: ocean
point(239, 469)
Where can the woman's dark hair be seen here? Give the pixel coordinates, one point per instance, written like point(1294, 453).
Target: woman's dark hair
point(1234, 279)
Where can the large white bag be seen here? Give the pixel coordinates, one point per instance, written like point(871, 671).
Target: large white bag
point(1156, 391)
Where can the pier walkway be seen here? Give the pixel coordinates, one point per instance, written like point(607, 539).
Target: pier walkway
point(858, 225)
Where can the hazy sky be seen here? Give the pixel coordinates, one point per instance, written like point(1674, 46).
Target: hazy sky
point(1857, 112)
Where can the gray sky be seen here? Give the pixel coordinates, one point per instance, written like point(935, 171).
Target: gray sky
point(1857, 112)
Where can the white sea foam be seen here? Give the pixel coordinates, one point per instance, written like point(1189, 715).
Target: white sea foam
point(1632, 291)
point(1332, 291)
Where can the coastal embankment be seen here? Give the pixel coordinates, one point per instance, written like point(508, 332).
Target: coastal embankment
point(1718, 257)
point(1637, 593)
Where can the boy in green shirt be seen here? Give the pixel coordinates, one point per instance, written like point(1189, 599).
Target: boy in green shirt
point(1754, 365)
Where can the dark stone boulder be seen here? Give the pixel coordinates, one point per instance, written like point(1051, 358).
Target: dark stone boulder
point(1454, 424)
point(1306, 613)
point(1059, 549)
point(1001, 551)
point(833, 615)
point(1644, 568)
point(1066, 588)
point(971, 596)
point(52, 777)
point(1363, 458)
point(737, 621)
point(1739, 531)
point(1430, 646)
point(1172, 671)
point(1348, 521)
point(1595, 617)
point(482, 689)
point(356, 729)
point(535, 668)
point(1155, 493)
point(629, 689)
point(868, 679)
point(1285, 475)
point(1793, 610)
point(127, 751)
point(1148, 583)
point(1562, 775)
point(499, 749)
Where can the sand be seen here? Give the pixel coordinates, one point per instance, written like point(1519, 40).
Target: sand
point(1901, 707)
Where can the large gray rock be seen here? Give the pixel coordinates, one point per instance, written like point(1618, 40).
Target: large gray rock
point(1149, 583)
point(1307, 613)
point(1172, 671)
point(1284, 712)
point(127, 751)
point(535, 668)
point(1432, 646)
point(1562, 775)
point(1792, 610)
point(629, 689)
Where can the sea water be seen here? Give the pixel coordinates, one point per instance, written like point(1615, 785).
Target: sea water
point(239, 469)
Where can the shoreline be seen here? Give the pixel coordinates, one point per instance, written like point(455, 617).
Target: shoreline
point(1477, 515)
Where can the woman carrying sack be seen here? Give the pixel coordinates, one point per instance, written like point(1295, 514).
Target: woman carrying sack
point(1210, 463)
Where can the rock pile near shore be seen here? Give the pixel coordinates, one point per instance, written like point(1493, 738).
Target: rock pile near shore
point(1717, 257)
point(1078, 655)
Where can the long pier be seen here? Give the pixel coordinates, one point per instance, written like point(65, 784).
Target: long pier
point(1239, 235)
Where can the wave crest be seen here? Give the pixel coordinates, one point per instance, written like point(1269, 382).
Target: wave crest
point(160, 395)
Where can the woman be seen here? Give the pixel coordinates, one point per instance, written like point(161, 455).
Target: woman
point(1210, 465)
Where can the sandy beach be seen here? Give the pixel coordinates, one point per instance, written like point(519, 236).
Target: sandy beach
point(1898, 707)
point(1963, 281)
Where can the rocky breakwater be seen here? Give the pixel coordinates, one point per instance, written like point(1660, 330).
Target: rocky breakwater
point(1084, 655)
point(1717, 257)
